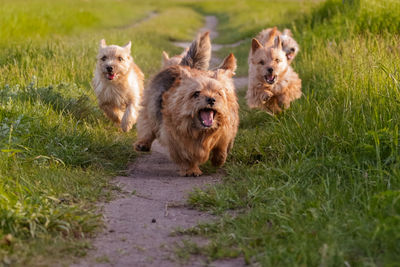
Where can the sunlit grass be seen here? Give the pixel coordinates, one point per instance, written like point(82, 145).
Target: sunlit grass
point(319, 184)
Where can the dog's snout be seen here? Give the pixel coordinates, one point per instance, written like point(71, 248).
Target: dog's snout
point(109, 68)
point(210, 100)
point(270, 70)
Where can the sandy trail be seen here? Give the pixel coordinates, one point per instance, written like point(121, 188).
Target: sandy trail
point(134, 24)
point(139, 223)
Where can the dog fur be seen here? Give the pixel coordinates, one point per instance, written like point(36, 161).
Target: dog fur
point(118, 84)
point(289, 44)
point(191, 110)
point(170, 61)
point(273, 84)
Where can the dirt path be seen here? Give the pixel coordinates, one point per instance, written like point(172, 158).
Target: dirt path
point(149, 16)
point(139, 223)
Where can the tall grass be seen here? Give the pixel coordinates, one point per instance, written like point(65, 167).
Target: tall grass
point(319, 184)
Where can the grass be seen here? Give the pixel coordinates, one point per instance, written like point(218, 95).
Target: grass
point(319, 184)
point(57, 151)
point(316, 185)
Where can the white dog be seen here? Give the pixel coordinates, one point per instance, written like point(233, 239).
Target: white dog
point(118, 84)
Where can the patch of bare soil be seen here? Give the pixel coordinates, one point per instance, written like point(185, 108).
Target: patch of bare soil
point(149, 16)
point(140, 223)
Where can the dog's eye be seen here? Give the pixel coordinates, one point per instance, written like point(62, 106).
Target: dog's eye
point(292, 49)
point(120, 58)
point(104, 58)
point(196, 94)
point(261, 62)
point(277, 60)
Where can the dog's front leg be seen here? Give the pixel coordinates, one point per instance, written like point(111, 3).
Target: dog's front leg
point(113, 113)
point(129, 118)
point(145, 131)
point(219, 154)
point(273, 106)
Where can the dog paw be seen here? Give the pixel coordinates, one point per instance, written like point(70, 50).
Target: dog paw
point(126, 128)
point(267, 95)
point(195, 172)
point(141, 147)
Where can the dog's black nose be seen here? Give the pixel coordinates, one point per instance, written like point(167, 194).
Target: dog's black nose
point(210, 100)
point(270, 70)
point(109, 68)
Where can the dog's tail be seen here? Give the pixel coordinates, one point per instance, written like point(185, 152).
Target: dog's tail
point(199, 53)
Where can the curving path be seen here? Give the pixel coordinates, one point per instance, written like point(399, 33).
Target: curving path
point(139, 223)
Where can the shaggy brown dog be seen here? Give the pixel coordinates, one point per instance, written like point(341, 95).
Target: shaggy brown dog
point(273, 84)
point(191, 110)
point(118, 84)
point(289, 45)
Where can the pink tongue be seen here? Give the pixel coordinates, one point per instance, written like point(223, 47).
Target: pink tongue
point(290, 56)
point(111, 76)
point(207, 117)
point(270, 77)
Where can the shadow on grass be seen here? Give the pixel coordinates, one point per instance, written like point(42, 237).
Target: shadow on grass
point(52, 126)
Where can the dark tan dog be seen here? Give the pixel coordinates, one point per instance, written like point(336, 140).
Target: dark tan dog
point(191, 110)
point(273, 84)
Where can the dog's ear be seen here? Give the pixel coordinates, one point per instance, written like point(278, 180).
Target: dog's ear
point(165, 56)
point(127, 47)
point(272, 33)
point(278, 42)
point(287, 32)
point(184, 52)
point(255, 44)
point(199, 54)
point(165, 59)
point(103, 43)
point(229, 65)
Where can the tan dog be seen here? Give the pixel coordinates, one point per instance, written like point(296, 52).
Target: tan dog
point(289, 45)
point(118, 84)
point(191, 110)
point(273, 84)
point(170, 61)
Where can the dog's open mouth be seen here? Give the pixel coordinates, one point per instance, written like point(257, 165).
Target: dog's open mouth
point(269, 78)
point(206, 117)
point(110, 76)
point(290, 56)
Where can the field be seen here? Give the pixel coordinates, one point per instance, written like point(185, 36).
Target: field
point(317, 185)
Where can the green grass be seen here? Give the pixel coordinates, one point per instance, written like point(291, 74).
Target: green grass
point(316, 185)
point(57, 150)
point(319, 184)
